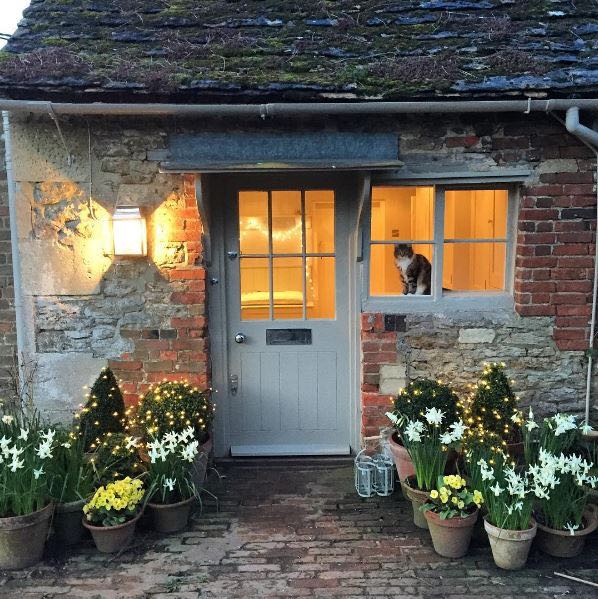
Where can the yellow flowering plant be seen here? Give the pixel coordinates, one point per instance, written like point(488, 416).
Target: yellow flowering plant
point(452, 498)
point(115, 503)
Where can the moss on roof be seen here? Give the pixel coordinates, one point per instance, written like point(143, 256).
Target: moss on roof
point(187, 50)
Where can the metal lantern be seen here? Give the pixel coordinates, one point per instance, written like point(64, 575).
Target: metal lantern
point(365, 475)
point(129, 232)
point(384, 483)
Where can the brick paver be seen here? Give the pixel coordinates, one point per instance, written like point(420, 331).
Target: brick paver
point(288, 530)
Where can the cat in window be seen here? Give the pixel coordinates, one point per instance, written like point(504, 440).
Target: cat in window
point(415, 270)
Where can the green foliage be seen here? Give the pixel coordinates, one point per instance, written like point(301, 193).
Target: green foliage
point(421, 394)
point(452, 498)
point(493, 408)
point(116, 457)
point(172, 406)
point(72, 476)
point(104, 411)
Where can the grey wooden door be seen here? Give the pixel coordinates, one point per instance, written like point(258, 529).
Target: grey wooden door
point(287, 314)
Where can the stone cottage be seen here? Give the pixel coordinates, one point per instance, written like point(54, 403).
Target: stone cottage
point(221, 191)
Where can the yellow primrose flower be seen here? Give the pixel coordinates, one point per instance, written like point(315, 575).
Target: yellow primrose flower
point(434, 494)
point(460, 505)
point(455, 500)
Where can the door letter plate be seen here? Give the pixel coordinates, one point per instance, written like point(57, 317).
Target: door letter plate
point(288, 336)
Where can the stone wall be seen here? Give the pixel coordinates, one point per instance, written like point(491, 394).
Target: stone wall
point(85, 308)
point(8, 338)
point(543, 340)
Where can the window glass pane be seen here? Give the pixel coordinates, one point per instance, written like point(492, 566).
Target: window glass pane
point(255, 289)
point(388, 262)
point(319, 222)
point(476, 214)
point(253, 222)
point(474, 266)
point(287, 230)
point(288, 288)
point(320, 288)
point(402, 213)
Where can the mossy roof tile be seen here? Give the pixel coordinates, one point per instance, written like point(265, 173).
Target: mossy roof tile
point(264, 50)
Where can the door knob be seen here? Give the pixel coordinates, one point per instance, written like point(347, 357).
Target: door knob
point(240, 338)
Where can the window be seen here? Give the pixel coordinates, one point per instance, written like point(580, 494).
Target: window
point(287, 265)
point(433, 242)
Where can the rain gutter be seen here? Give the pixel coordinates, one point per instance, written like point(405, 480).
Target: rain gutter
point(295, 109)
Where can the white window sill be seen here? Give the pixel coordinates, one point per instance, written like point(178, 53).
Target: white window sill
point(448, 303)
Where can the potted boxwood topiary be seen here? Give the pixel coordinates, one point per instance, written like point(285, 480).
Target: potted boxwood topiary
point(170, 481)
point(104, 411)
point(411, 404)
point(25, 504)
point(174, 407)
point(112, 513)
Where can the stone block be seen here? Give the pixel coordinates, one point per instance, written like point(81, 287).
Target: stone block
point(392, 378)
point(476, 335)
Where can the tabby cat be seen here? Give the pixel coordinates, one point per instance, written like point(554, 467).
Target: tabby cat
point(415, 269)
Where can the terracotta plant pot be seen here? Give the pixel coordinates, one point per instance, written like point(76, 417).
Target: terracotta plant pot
point(110, 539)
point(401, 457)
point(170, 517)
point(510, 548)
point(561, 543)
point(451, 537)
point(418, 498)
point(67, 523)
point(22, 538)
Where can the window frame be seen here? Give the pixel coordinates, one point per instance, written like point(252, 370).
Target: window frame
point(456, 300)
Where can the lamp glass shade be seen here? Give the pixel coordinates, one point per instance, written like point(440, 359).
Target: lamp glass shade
point(129, 232)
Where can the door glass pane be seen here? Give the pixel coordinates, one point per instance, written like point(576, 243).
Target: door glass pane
point(287, 230)
point(319, 222)
point(474, 266)
point(255, 288)
point(288, 288)
point(387, 262)
point(402, 213)
point(476, 214)
point(253, 222)
point(320, 287)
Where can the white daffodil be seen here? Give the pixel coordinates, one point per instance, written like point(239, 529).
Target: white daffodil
point(487, 473)
point(38, 473)
point(24, 434)
point(48, 436)
point(153, 455)
point(458, 429)
point(392, 417)
point(413, 432)
point(169, 483)
point(189, 452)
point(564, 423)
point(16, 464)
point(66, 445)
point(586, 429)
point(496, 489)
point(446, 438)
point(7, 419)
point(571, 528)
point(131, 442)
point(186, 435)
point(44, 450)
point(434, 416)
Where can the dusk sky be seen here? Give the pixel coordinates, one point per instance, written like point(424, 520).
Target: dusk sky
point(10, 15)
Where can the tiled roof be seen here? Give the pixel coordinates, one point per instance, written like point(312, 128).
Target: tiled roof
point(256, 50)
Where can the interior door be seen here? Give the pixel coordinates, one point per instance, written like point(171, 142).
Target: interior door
point(287, 314)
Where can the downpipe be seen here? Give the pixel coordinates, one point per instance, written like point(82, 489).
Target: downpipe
point(590, 138)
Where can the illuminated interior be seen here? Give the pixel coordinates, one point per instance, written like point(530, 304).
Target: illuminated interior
point(475, 230)
point(283, 273)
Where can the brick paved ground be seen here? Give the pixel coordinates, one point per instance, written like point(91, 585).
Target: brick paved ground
point(289, 531)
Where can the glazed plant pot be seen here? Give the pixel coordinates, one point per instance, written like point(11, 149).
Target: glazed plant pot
point(110, 539)
point(510, 548)
point(22, 538)
point(170, 517)
point(67, 523)
point(417, 498)
point(561, 543)
point(451, 537)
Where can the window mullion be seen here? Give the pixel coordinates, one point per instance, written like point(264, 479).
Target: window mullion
point(437, 258)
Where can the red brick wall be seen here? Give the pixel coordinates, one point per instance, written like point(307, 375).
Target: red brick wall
point(181, 350)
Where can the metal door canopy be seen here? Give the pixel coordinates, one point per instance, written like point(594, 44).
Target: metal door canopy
point(248, 152)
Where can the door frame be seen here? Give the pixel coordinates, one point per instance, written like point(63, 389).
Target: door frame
point(216, 284)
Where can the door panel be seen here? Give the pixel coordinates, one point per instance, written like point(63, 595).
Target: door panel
point(287, 258)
